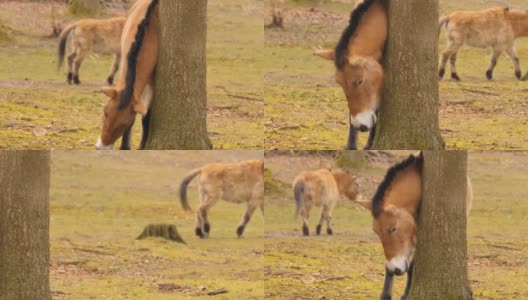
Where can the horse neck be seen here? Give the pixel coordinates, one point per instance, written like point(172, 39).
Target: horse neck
point(405, 192)
point(519, 22)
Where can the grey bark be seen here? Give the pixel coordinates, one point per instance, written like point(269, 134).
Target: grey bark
point(179, 112)
point(408, 115)
point(24, 225)
point(440, 265)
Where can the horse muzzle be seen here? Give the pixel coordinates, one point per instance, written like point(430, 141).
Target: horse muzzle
point(398, 265)
point(363, 121)
point(100, 146)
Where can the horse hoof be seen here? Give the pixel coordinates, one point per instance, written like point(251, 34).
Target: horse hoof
point(518, 74)
point(110, 81)
point(318, 229)
point(329, 231)
point(441, 73)
point(455, 77)
point(385, 297)
point(489, 75)
point(240, 231)
point(199, 233)
point(76, 80)
point(305, 231)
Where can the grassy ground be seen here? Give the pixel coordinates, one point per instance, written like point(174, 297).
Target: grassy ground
point(39, 110)
point(474, 114)
point(101, 202)
point(350, 264)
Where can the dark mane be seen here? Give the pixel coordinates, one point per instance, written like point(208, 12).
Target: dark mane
point(132, 57)
point(355, 18)
point(377, 200)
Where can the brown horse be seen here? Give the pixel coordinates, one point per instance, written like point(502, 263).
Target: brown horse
point(495, 28)
point(394, 208)
point(91, 35)
point(233, 182)
point(357, 58)
point(133, 93)
point(322, 188)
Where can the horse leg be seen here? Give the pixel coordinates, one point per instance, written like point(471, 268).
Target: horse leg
point(512, 53)
point(493, 63)
point(71, 58)
point(247, 216)
point(408, 284)
point(324, 213)
point(371, 136)
point(76, 66)
point(145, 122)
point(445, 56)
point(305, 213)
point(452, 61)
point(207, 201)
point(126, 138)
point(386, 294)
point(328, 219)
point(352, 138)
point(115, 67)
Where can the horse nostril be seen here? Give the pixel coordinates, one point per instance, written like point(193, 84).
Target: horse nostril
point(363, 128)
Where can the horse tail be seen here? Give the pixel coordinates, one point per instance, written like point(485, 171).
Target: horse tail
point(183, 188)
point(355, 18)
point(132, 57)
point(63, 38)
point(443, 21)
point(298, 191)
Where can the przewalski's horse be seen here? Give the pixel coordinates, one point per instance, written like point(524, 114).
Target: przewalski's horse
point(233, 182)
point(133, 92)
point(322, 188)
point(495, 28)
point(90, 35)
point(394, 209)
point(357, 57)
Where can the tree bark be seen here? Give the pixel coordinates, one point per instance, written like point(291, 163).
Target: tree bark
point(440, 264)
point(84, 7)
point(179, 111)
point(408, 114)
point(24, 225)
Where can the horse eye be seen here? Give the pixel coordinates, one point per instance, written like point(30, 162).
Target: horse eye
point(393, 229)
point(359, 82)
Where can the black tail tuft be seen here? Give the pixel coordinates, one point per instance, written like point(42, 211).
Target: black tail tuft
point(298, 191)
point(355, 18)
point(132, 57)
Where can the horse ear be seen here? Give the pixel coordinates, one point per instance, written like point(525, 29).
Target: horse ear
point(326, 54)
point(109, 91)
point(391, 210)
point(365, 203)
point(140, 108)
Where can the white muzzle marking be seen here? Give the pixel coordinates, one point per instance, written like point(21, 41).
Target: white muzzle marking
point(398, 263)
point(367, 118)
point(101, 146)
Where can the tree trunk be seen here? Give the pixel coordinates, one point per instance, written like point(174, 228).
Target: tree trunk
point(408, 114)
point(179, 111)
point(24, 225)
point(84, 7)
point(440, 265)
